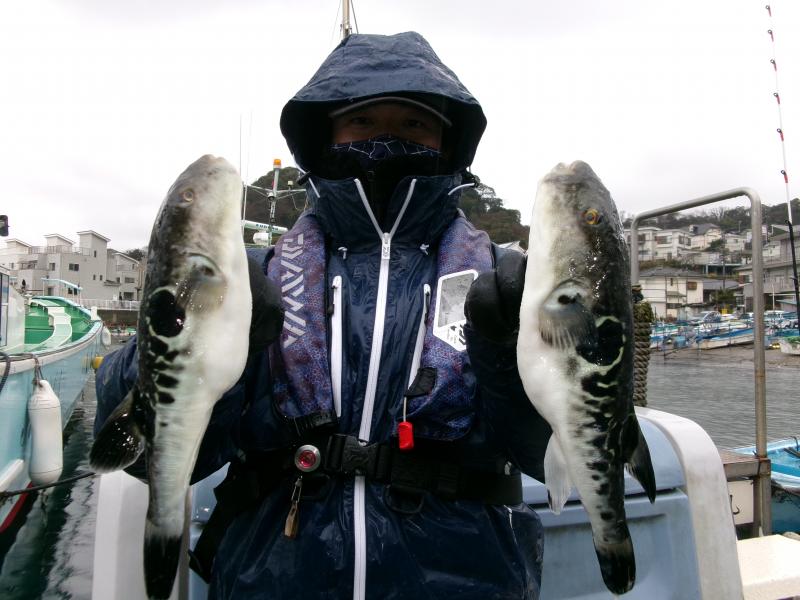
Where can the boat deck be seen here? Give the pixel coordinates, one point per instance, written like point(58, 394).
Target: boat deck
point(54, 322)
point(740, 465)
point(37, 326)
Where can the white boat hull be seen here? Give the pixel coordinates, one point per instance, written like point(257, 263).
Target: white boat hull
point(66, 368)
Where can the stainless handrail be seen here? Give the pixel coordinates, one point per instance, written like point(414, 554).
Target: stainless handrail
point(762, 492)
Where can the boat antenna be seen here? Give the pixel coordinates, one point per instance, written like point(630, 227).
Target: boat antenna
point(784, 171)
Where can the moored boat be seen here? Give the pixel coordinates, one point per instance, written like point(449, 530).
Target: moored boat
point(41, 338)
point(784, 456)
point(720, 339)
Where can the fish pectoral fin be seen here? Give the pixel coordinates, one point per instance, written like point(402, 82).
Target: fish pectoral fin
point(564, 319)
point(556, 476)
point(203, 285)
point(638, 462)
point(120, 441)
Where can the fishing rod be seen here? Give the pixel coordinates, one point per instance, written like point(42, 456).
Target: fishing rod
point(36, 488)
point(784, 171)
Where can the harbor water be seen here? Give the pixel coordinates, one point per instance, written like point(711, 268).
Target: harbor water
point(49, 554)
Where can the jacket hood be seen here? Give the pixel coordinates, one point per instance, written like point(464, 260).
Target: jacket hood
point(364, 66)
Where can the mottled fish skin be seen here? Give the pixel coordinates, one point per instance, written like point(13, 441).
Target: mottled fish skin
point(192, 341)
point(575, 354)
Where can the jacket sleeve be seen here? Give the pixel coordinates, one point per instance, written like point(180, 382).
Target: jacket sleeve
point(116, 377)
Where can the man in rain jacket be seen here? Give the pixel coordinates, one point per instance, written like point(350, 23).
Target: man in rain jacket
point(375, 446)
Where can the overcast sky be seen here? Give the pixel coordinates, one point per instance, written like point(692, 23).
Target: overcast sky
point(104, 102)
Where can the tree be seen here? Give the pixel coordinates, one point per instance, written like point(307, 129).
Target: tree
point(137, 253)
point(724, 299)
point(485, 210)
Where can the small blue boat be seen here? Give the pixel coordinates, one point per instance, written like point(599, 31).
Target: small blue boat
point(722, 338)
point(784, 456)
point(47, 339)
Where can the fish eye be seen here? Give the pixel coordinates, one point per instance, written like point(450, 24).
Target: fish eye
point(592, 216)
point(187, 195)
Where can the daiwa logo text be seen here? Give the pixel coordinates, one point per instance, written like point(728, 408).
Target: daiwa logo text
point(291, 289)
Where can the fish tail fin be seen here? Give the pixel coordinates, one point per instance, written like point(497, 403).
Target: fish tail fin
point(640, 466)
point(120, 441)
point(556, 475)
point(617, 563)
point(162, 552)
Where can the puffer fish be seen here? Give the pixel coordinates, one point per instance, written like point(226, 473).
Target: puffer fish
point(192, 338)
point(575, 357)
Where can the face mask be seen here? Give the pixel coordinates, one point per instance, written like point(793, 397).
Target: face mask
point(373, 152)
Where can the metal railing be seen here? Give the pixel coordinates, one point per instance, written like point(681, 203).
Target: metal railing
point(105, 304)
point(47, 250)
point(762, 490)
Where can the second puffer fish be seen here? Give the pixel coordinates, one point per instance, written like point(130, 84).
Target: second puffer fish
point(575, 356)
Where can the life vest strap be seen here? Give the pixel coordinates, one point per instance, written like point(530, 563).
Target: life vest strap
point(409, 474)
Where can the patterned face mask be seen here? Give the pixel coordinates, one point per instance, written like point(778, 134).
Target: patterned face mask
point(374, 151)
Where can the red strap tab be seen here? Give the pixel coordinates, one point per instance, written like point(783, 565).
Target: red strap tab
point(405, 433)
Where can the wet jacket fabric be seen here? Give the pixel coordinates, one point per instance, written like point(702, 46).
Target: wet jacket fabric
point(352, 541)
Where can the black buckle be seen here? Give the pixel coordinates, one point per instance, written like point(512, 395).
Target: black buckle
point(345, 454)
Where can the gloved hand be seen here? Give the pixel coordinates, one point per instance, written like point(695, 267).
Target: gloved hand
point(492, 310)
point(267, 319)
point(493, 301)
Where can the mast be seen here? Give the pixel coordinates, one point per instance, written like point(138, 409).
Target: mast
point(346, 29)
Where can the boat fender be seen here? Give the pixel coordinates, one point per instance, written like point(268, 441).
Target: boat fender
point(105, 337)
point(96, 362)
point(44, 415)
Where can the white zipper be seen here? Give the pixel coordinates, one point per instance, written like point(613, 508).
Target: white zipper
point(336, 345)
point(359, 519)
point(359, 540)
point(380, 310)
point(426, 299)
point(377, 340)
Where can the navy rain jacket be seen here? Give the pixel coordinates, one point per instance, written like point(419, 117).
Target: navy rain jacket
point(350, 542)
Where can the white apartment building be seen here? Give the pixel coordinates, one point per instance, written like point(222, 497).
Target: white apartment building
point(672, 292)
point(735, 242)
point(672, 243)
point(661, 244)
point(703, 235)
point(61, 268)
point(778, 273)
point(646, 235)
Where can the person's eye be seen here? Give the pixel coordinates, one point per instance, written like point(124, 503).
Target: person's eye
point(416, 124)
point(359, 121)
